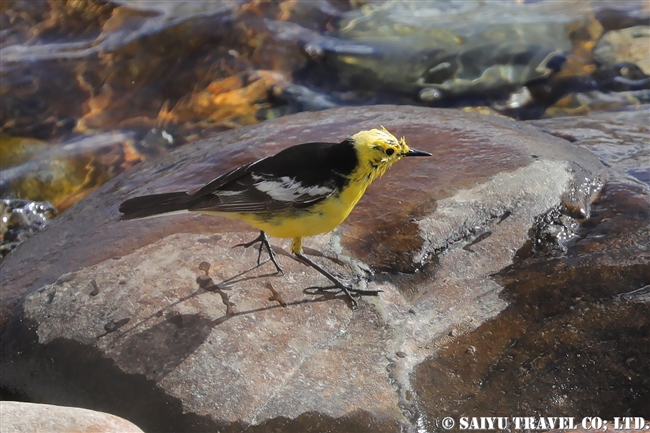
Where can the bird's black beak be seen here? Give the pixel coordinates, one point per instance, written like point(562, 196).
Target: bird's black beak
point(415, 152)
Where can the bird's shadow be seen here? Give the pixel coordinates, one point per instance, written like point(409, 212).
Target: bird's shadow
point(158, 349)
point(207, 285)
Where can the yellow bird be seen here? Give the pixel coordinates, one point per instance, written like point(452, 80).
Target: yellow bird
point(303, 190)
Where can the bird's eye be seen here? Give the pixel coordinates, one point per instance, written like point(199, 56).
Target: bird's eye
point(390, 151)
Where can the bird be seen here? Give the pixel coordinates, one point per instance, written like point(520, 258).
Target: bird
point(304, 190)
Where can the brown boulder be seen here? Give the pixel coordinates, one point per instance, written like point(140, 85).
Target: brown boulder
point(117, 306)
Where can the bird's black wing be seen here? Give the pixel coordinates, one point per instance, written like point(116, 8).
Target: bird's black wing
point(218, 182)
point(297, 177)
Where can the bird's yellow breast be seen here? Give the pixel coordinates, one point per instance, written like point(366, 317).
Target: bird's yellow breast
point(320, 218)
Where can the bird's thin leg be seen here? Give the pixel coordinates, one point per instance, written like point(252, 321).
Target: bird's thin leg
point(261, 238)
point(264, 242)
point(338, 283)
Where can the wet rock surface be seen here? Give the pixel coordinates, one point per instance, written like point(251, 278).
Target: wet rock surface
point(470, 293)
point(618, 138)
point(573, 340)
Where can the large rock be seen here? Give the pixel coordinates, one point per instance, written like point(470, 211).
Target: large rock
point(112, 314)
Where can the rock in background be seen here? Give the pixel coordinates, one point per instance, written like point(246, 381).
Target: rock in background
point(34, 418)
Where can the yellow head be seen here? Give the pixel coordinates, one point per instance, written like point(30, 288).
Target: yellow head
point(378, 150)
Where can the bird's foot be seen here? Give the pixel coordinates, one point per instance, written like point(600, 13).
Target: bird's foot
point(350, 292)
point(264, 242)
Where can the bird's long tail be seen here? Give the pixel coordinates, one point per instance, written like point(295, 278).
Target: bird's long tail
point(156, 204)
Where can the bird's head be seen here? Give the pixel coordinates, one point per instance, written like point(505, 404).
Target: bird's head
point(378, 149)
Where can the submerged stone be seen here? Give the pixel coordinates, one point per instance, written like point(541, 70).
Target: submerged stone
point(625, 46)
point(65, 172)
point(443, 51)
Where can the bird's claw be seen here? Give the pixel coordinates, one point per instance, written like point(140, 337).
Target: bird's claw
point(350, 293)
point(264, 242)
